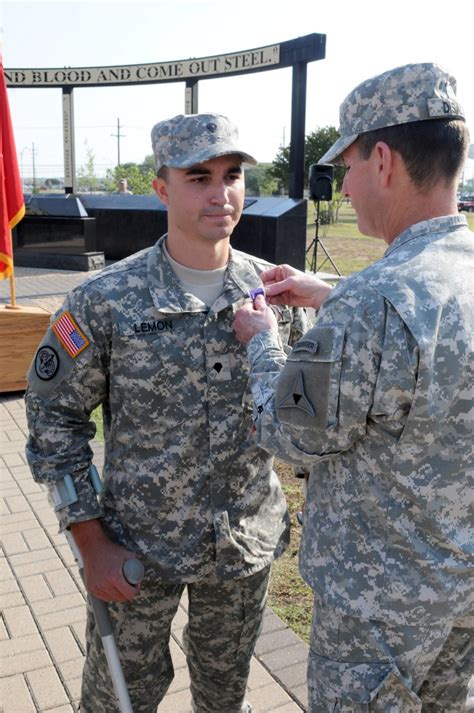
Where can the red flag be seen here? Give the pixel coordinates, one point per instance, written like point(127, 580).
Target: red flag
point(12, 206)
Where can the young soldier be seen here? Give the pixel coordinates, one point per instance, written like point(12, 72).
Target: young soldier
point(186, 486)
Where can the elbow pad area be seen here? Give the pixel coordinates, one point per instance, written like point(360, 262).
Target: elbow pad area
point(63, 492)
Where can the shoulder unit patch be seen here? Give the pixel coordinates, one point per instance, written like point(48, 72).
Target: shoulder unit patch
point(46, 363)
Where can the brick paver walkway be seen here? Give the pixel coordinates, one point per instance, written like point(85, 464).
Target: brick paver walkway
point(43, 611)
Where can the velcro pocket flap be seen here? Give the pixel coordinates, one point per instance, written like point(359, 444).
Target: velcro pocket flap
point(356, 682)
point(320, 344)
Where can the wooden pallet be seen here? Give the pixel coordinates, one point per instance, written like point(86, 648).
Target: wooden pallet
point(21, 330)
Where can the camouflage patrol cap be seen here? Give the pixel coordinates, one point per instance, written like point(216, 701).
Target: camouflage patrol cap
point(414, 92)
point(186, 140)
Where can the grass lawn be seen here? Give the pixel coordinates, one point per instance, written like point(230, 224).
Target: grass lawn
point(96, 416)
point(350, 250)
point(470, 219)
point(289, 596)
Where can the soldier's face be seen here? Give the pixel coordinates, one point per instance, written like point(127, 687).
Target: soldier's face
point(205, 201)
point(361, 186)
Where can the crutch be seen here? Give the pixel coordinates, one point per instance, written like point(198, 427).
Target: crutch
point(133, 572)
point(303, 475)
point(62, 494)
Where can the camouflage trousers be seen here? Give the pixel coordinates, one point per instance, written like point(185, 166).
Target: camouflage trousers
point(224, 621)
point(364, 666)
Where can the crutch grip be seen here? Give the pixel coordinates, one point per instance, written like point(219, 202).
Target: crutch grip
point(133, 571)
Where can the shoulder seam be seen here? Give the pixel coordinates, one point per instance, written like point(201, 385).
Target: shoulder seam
point(116, 268)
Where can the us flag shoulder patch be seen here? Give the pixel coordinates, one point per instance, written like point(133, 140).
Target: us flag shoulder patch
point(73, 340)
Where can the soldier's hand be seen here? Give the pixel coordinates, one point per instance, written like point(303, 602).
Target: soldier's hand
point(287, 285)
point(103, 562)
point(253, 318)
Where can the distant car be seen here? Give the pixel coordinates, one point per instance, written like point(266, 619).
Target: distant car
point(466, 202)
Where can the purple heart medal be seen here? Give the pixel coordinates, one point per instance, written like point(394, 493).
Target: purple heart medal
point(253, 294)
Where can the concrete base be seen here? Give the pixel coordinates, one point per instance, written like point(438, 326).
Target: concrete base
point(83, 262)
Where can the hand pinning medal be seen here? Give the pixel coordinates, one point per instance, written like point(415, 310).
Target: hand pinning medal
point(253, 294)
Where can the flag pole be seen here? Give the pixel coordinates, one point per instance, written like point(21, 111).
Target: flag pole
point(12, 202)
point(10, 262)
point(13, 304)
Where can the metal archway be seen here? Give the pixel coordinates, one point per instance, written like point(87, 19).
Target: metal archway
point(294, 53)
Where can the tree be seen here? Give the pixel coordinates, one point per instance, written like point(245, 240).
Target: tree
point(280, 168)
point(316, 145)
point(139, 177)
point(148, 163)
point(258, 182)
point(87, 181)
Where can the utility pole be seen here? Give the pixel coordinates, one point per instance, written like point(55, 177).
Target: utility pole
point(34, 167)
point(22, 166)
point(119, 136)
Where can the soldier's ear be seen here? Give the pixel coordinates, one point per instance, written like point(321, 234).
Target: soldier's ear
point(384, 157)
point(161, 189)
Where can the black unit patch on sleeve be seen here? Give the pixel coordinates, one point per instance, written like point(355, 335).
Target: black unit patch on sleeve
point(46, 363)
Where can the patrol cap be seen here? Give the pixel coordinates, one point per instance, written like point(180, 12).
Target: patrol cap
point(189, 139)
point(414, 92)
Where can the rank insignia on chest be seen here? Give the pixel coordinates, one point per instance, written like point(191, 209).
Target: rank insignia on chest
point(218, 367)
point(71, 337)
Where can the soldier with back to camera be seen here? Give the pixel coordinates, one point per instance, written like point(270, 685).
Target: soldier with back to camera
point(379, 396)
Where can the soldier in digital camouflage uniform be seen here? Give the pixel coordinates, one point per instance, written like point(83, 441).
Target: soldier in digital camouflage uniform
point(187, 487)
point(378, 395)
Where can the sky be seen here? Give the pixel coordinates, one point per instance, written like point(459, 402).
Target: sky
point(364, 38)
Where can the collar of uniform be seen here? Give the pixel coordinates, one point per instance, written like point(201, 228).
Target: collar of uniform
point(428, 228)
point(240, 278)
point(168, 296)
point(165, 289)
point(242, 273)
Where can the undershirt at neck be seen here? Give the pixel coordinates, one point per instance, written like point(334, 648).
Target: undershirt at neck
point(206, 285)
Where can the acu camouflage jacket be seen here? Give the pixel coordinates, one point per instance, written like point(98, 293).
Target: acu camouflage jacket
point(378, 398)
point(186, 483)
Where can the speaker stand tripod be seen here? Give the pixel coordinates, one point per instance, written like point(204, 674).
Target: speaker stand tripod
point(317, 242)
